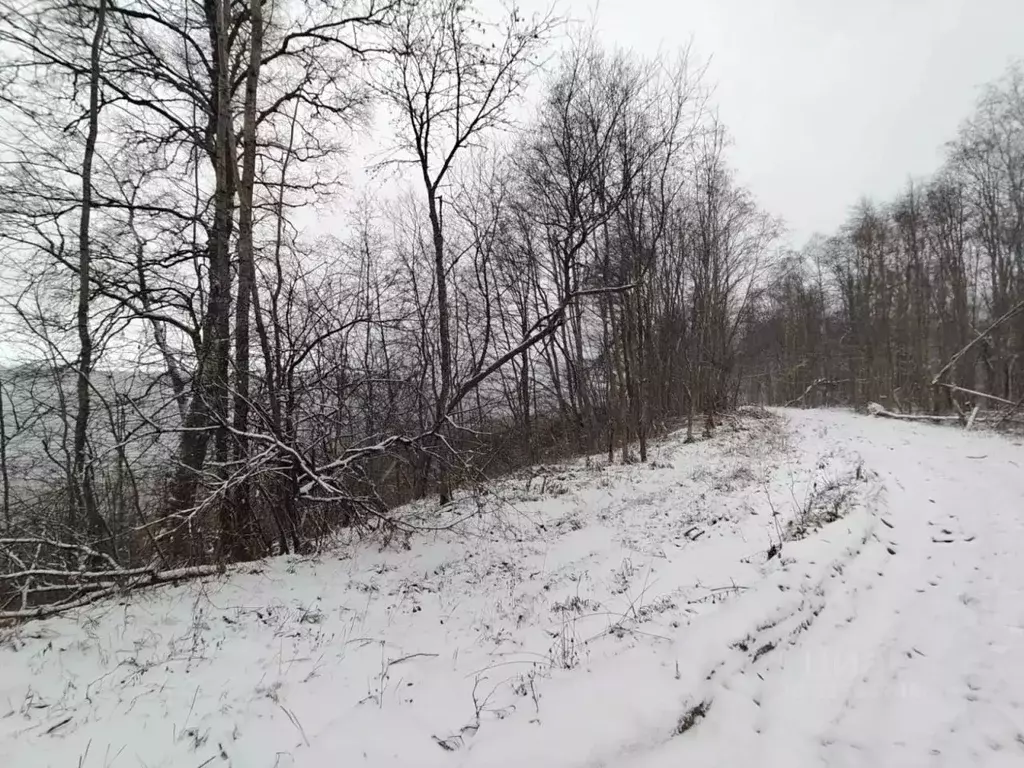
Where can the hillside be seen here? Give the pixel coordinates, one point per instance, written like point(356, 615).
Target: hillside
point(592, 615)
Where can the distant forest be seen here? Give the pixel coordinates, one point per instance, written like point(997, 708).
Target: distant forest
point(917, 302)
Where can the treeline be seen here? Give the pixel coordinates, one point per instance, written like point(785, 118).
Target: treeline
point(199, 381)
point(917, 304)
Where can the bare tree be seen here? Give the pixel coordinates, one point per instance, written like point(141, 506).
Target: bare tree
point(450, 79)
point(922, 305)
point(231, 384)
point(86, 499)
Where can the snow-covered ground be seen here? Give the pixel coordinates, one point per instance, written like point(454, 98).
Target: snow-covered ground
point(592, 616)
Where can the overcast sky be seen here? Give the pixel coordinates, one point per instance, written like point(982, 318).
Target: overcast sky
point(829, 100)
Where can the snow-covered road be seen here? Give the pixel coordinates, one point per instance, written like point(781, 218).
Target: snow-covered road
point(917, 655)
point(598, 616)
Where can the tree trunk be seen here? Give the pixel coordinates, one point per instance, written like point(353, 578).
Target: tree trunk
point(5, 477)
point(237, 522)
point(208, 409)
point(85, 501)
point(444, 344)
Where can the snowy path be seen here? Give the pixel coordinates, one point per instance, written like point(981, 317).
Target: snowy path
point(917, 656)
point(619, 616)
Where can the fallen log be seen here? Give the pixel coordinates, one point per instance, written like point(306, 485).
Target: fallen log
point(976, 393)
point(877, 410)
point(1009, 314)
point(135, 580)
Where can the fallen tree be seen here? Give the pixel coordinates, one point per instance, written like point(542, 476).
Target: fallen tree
point(880, 411)
point(52, 576)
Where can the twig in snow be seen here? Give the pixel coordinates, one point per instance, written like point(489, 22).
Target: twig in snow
point(294, 719)
point(58, 724)
point(190, 708)
point(399, 660)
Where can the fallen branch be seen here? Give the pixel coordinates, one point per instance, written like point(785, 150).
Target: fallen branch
point(967, 419)
point(1010, 313)
point(61, 545)
point(53, 609)
point(136, 581)
point(976, 393)
point(877, 410)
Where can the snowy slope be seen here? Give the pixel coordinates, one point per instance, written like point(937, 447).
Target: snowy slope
point(593, 616)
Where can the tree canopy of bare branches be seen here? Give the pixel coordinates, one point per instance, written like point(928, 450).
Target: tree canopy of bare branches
point(917, 304)
point(560, 261)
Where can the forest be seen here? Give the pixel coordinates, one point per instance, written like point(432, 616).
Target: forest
point(217, 347)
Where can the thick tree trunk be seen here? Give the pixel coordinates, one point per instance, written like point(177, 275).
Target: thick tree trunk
point(85, 501)
point(208, 409)
point(237, 523)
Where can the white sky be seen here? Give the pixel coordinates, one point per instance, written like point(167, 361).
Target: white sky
point(829, 100)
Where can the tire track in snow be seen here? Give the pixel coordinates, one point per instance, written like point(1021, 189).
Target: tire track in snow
point(913, 654)
point(946, 699)
point(735, 692)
